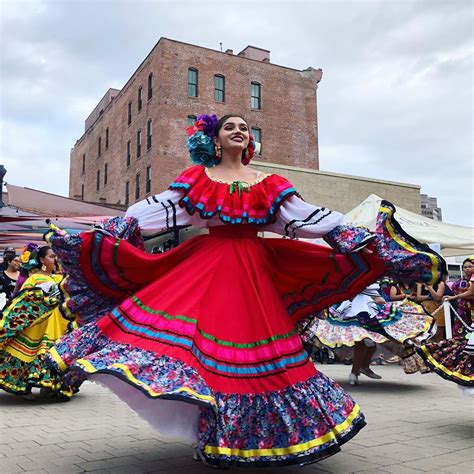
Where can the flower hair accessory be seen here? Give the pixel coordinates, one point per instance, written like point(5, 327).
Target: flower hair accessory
point(28, 256)
point(201, 142)
point(249, 152)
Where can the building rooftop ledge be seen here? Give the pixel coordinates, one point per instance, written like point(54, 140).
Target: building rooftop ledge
point(329, 173)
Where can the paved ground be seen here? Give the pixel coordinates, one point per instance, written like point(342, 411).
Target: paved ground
point(415, 423)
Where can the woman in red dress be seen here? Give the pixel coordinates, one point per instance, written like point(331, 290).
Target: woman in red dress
point(212, 323)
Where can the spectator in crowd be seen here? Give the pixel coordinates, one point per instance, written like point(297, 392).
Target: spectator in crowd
point(400, 291)
point(9, 276)
point(8, 251)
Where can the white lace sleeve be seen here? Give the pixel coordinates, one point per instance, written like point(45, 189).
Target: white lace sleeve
point(297, 218)
point(161, 212)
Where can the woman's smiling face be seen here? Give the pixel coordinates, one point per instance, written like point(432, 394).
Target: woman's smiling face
point(234, 134)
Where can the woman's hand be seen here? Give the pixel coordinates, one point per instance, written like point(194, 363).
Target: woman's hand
point(450, 298)
point(379, 300)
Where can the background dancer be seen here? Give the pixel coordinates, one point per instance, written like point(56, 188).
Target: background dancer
point(30, 326)
point(453, 359)
point(463, 299)
point(364, 322)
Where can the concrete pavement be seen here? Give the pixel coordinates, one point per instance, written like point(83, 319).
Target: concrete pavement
point(416, 423)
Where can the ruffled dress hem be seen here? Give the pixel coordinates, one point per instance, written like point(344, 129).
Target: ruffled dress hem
point(299, 424)
point(448, 359)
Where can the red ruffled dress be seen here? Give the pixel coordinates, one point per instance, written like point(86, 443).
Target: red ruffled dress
point(212, 323)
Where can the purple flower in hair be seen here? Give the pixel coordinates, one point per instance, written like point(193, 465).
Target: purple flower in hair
point(209, 123)
point(32, 247)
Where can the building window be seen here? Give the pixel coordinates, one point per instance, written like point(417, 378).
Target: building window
point(127, 193)
point(83, 163)
point(99, 147)
point(139, 143)
point(137, 186)
point(129, 119)
point(105, 174)
point(106, 138)
point(97, 184)
point(190, 120)
point(150, 85)
point(148, 134)
point(148, 179)
point(256, 96)
point(192, 82)
point(219, 88)
point(139, 98)
point(82, 192)
point(129, 152)
point(257, 135)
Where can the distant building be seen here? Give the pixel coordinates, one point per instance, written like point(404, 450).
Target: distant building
point(429, 208)
point(134, 140)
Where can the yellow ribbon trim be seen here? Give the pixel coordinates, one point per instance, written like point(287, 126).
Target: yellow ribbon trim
point(70, 315)
point(297, 448)
point(436, 364)
point(406, 246)
point(57, 358)
point(89, 368)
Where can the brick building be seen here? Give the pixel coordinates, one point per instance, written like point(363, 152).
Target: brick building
point(134, 139)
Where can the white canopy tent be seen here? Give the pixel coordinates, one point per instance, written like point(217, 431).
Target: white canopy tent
point(453, 239)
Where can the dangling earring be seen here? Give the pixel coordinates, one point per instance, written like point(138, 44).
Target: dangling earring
point(218, 151)
point(43, 268)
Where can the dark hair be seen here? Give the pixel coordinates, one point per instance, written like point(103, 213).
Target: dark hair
point(42, 252)
point(224, 119)
point(8, 258)
point(468, 259)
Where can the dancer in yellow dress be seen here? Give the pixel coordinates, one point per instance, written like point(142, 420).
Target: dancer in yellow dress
point(30, 326)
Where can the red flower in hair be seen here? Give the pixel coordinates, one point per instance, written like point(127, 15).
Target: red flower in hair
point(197, 127)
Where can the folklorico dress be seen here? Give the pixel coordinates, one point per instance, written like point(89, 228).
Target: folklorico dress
point(453, 359)
point(212, 323)
point(29, 327)
point(465, 307)
point(361, 318)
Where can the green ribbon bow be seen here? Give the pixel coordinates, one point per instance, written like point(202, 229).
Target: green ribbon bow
point(239, 186)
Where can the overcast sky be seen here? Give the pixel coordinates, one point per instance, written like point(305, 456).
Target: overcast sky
point(395, 101)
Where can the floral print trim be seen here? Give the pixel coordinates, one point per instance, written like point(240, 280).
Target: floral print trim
point(449, 359)
point(87, 350)
point(302, 423)
point(405, 258)
point(18, 377)
point(347, 238)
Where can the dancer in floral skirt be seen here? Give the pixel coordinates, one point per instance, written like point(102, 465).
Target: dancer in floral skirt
point(201, 340)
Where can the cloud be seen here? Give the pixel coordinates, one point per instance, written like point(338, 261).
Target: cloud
point(394, 102)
